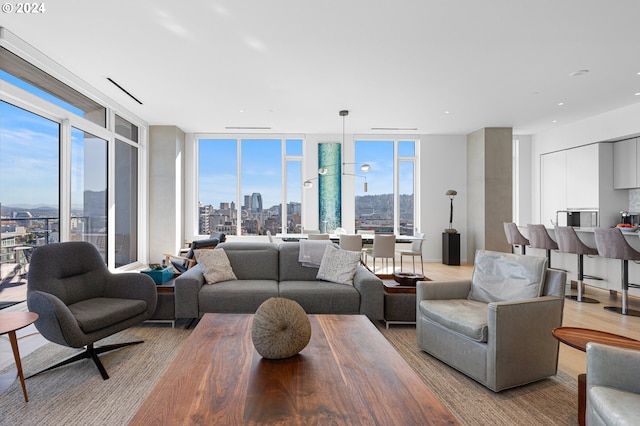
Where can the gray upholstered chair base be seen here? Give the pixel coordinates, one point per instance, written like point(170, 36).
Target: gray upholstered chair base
point(80, 302)
point(92, 353)
point(498, 344)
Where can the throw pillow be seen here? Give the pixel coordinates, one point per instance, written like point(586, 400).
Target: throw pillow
point(500, 277)
point(215, 265)
point(338, 266)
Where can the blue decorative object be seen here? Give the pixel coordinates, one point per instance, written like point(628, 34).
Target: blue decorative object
point(160, 276)
point(329, 186)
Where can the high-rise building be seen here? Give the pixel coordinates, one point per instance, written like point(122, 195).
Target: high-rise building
point(256, 202)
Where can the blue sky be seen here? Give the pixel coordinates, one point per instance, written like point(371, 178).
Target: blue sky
point(29, 155)
point(261, 170)
point(29, 164)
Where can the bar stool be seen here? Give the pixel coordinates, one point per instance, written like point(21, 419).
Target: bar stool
point(539, 238)
point(612, 244)
point(569, 242)
point(515, 237)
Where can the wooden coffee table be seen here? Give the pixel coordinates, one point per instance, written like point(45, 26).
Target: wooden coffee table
point(348, 374)
point(578, 338)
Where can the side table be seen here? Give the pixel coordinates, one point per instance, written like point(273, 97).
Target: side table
point(165, 309)
point(10, 322)
point(578, 338)
point(399, 302)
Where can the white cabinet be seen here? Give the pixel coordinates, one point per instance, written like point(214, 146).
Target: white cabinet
point(583, 174)
point(581, 179)
point(625, 164)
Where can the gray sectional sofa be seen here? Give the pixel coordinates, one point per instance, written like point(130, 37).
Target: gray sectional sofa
point(266, 270)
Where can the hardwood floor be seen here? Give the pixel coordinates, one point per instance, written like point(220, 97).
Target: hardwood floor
point(587, 315)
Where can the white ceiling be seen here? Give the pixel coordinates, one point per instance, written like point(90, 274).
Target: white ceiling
point(293, 64)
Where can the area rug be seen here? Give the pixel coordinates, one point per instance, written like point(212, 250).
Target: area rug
point(552, 401)
point(77, 395)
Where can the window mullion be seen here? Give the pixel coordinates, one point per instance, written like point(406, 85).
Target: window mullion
point(65, 180)
point(396, 189)
point(239, 187)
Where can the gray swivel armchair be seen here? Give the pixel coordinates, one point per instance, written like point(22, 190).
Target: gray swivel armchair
point(496, 327)
point(613, 389)
point(80, 302)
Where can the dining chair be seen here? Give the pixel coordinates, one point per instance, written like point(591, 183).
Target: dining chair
point(352, 242)
point(384, 248)
point(414, 251)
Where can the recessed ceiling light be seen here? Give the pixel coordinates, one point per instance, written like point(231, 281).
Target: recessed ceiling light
point(446, 112)
point(554, 121)
point(578, 73)
point(560, 103)
point(638, 94)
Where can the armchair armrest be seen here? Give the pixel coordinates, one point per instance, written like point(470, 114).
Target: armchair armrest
point(187, 289)
point(612, 367)
point(52, 313)
point(442, 290)
point(520, 340)
point(133, 285)
point(371, 293)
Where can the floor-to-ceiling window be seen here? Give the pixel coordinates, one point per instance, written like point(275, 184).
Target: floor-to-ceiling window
point(89, 190)
point(55, 161)
point(293, 192)
point(29, 184)
point(387, 204)
point(249, 185)
point(126, 191)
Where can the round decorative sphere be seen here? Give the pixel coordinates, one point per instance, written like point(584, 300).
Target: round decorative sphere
point(280, 328)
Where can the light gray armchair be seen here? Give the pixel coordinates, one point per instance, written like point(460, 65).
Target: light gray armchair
point(613, 389)
point(80, 302)
point(500, 344)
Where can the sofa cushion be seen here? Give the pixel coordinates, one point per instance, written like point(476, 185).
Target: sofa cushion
point(463, 316)
point(215, 266)
point(322, 297)
point(338, 266)
point(100, 312)
point(236, 296)
point(252, 261)
point(500, 277)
